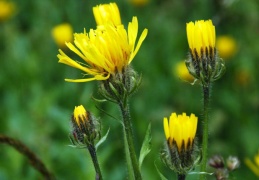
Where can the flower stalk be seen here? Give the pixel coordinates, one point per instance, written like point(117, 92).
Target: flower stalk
point(117, 89)
point(127, 125)
point(206, 66)
point(181, 176)
point(85, 131)
point(92, 151)
point(205, 134)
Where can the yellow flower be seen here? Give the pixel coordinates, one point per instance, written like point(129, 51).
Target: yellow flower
point(85, 127)
point(182, 72)
point(105, 51)
point(80, 115)
point(62, 33)
point(107, 13)
point(253, 166)
point(201, 38)
point(7, 9)
point(226, 46)
point(180, 129)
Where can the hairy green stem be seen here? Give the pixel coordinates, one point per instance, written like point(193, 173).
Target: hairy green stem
point(92, 152)
point(129, 137)
point(205, 136)
point(181, 176)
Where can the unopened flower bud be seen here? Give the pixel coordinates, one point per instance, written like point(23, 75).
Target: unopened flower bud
point(216, 161)
point(180, 153)
point(120, 85)
point(221, 174)
point(85, 129)
point(232, 163)
point(204, 63)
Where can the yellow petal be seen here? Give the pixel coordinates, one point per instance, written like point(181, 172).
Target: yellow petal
point(141, 39)
point(166, 128)
point(252, 166)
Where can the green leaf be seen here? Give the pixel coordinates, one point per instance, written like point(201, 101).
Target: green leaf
point(136, 84)
point(78, 146)
point(114, 90)
point(146, 145)
point(128, 160)
point(160, 174)
point(102, 140)
point(71, 138)
point(206, 173)
point(98, 100)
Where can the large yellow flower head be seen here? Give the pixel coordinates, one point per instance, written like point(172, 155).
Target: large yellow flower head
point(201, 38)
point(181, 130)
point(105, 51)
point(106, 13)
point(253, 166)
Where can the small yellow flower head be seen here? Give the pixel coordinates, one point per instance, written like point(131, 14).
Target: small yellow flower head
point(62, 33)
point(104, 51)
point(85, 126)
point(107, 13)
point(182, 72)
point(226, 46)
point(80, 115)
point(201, 38)
point(254, 166)
point(181, 152)
point(203, 62)
point(7, 9)
point(180, 130)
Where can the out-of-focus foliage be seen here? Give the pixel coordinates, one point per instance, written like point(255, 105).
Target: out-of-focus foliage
point(36, 103)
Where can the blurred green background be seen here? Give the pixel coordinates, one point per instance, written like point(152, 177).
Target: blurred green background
point(36, 103)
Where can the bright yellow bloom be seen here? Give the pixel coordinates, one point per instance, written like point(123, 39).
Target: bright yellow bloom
point(253, 166)
point(182, 72)
point(62, 33)
point(201, 38)
point(105, 51)
point(7, 9)
point(107, 13)
point(226, 46)
point(80, 115)
point(180, 129)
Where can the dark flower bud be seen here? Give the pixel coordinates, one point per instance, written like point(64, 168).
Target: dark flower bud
point(216, 161)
